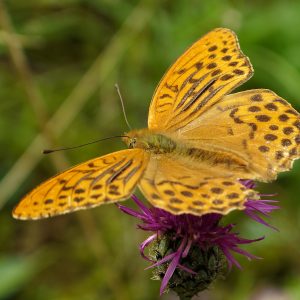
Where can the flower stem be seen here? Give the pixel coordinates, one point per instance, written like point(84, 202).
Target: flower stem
point(185, 297)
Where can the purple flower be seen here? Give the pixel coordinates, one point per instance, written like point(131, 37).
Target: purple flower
point(261, 206)
point(178, 241)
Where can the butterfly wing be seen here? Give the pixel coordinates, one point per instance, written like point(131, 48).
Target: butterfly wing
point(257, 126)
point(106, 179)
point(208, 70)
point(180, 186)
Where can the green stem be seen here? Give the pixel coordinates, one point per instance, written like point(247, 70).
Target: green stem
point(185, 297)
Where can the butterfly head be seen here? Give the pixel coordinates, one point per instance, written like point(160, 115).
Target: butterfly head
point(136, 139)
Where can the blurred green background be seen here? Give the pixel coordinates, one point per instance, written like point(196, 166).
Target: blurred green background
point(59, 60)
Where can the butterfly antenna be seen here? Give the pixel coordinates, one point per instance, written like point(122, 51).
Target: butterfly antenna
point(123, 107)
point(47, 151)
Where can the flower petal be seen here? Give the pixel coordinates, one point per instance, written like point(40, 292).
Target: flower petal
point(172, 267)
point(144, 244)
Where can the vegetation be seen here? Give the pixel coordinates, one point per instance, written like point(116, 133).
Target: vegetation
point(59, 61)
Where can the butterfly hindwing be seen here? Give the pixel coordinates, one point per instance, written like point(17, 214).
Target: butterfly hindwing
point(208, 70)
point(172, 185)
point(257, 126)
point(106, 179)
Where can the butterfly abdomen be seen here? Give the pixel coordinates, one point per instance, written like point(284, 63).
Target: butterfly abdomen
point(214, 158)
point(159, 144)
point(226, 163)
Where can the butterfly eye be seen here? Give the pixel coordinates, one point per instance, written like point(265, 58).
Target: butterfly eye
point(132, 143)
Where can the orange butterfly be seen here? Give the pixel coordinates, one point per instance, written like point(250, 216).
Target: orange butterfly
point(199, 142)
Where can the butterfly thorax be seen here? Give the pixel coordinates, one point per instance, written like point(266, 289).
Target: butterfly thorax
point(156, 143)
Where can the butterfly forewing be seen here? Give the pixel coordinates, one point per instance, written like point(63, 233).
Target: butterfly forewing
point(208, 70)
point(106, 179)
point(257, 126)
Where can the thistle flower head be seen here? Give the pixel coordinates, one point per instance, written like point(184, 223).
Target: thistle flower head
point(189, 252)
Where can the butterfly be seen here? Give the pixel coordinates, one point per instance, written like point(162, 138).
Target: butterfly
point(200, 141)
